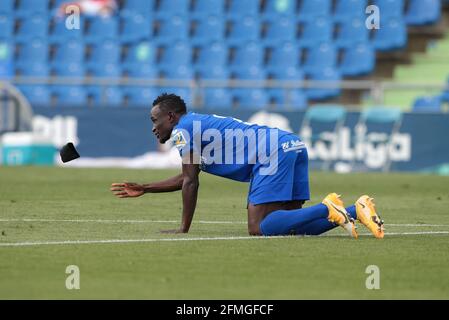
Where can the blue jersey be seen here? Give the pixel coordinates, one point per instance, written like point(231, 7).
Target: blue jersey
point(229, 147)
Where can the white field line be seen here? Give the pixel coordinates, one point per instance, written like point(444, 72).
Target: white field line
point(123, 241)
point(176, 221)
point(116, 221)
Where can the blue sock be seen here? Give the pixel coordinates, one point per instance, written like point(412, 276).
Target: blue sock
point(351, 211)
point(320, 226)
point(287, 222)
point(306, 221)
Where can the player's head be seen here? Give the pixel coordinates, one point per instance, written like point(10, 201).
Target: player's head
point(165, 114)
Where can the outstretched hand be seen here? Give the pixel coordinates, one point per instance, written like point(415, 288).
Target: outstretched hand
point(127, 189)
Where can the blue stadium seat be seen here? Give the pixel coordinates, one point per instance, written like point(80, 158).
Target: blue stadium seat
point(352, 30)
point(33, 70)
point(6, 70)
point(6, 26)
point(209, 27)
point(249, 73)
point(136, 28)
point(132, 7)
point(319, 119)
point(144, 71)
point(7, 7)
point(320, 57)
point(6, 59)
point(294, 99)
point(285, 73)
point(215, 53)
point(383, 119)
point(140, 96)
point(185, 93)
point(286, 54)
point(445, 94)
point(428, 104)
point(35, 50)
point(6, 51)
point(244, 29)
point(393, 8)
point(247, 7)
point(423, 12)
point(281, 28)
point(180, 53)
point(392, 34)
point(70, 96)
point(32, 8)
point(109, 70)
point(316, 31)
point(35, 26)
point(111, 96)
point(59, 3)
point(61, 33)
point(219, 98)
point(173, 27)
point(251, 98)
point(249, 54)
point(280, 7)
point(67, 69)
point(358, 59)
point(209, 7)
point(108, 51)
point(101, 29)
point(69, 51)
point(216, 72)
point(327, 74)
point(141, 53)
point(350, 8)
point(170, 7)
point(312, 8)
point(37, 95)
point(178, 72)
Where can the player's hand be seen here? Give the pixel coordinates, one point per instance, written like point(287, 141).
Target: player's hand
point(174, 231)
point(127, 189)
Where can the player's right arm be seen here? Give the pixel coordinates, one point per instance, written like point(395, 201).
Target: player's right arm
point(132, 190)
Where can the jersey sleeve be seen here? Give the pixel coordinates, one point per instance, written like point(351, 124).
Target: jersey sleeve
point(183, 139)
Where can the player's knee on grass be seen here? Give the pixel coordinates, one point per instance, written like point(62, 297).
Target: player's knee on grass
point(254, 229)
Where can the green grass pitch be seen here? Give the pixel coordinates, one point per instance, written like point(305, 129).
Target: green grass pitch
point(46, 206)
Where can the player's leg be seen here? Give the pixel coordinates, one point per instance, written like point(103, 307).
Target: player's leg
point(272, 198)
point(271, 191)
point(362, 211)
point(320, 226)
point(256, 213)
point(312, 220)
point(288, 222)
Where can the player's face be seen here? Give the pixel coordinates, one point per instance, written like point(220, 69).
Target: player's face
point(163, 123)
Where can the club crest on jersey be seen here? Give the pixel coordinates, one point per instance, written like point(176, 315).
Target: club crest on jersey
point(178, 139)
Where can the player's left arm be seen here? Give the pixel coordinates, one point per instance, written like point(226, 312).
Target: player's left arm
point(190, 186)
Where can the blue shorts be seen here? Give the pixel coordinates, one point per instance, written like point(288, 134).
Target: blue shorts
point(289, 182)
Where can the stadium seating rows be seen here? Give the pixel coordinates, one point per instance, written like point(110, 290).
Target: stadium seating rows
point(202, 39)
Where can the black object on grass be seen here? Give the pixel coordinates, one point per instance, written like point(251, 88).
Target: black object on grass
point(69, 153)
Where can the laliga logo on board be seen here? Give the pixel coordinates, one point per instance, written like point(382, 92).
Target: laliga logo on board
point(374, 149)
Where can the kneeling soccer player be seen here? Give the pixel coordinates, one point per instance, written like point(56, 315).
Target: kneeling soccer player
point(273, 161)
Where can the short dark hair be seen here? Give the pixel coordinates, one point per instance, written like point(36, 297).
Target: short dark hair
point(171, 102)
